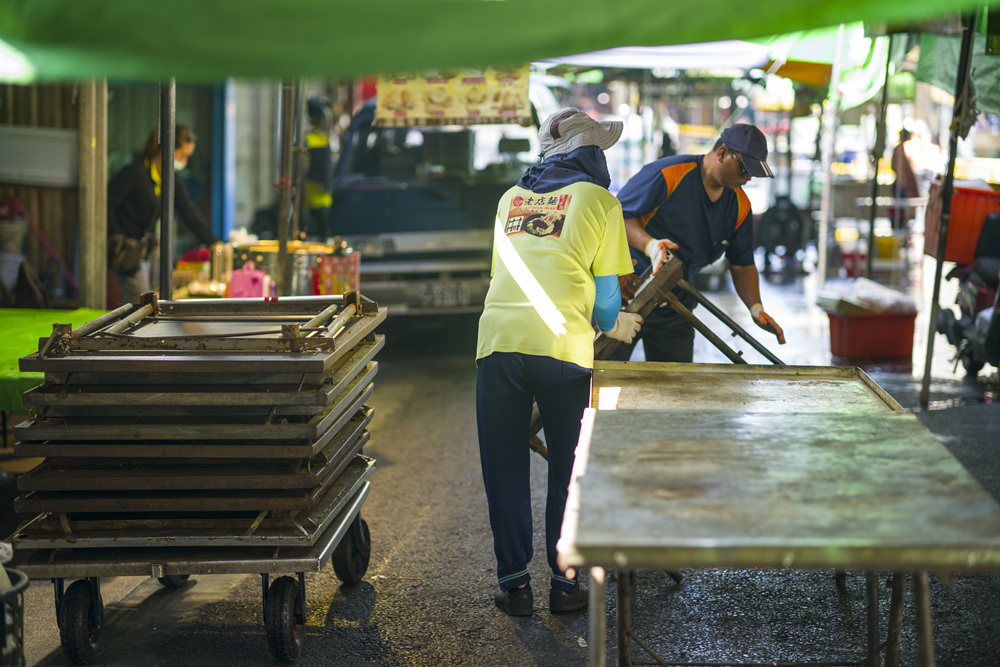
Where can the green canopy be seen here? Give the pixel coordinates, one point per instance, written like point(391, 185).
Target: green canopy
point(210, 40)
point(938, 66)
point(808, 56)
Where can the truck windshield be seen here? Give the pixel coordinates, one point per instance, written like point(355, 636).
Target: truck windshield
point(477, 154)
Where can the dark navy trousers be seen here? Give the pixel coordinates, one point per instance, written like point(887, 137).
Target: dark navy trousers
point(506, 385)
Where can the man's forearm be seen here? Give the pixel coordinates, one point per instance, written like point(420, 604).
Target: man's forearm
point(746, 281)
point(636, 234)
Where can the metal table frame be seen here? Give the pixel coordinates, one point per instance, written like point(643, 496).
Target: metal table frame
point(161, 562)
point(614, 522)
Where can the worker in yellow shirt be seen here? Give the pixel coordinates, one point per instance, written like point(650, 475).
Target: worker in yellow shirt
point(559, 247)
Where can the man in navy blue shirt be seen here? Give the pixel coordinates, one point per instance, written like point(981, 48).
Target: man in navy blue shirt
point(694, 207)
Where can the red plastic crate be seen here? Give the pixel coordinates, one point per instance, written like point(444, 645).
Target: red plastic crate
point(854, 263)
point(969, 208)
point(871, 335)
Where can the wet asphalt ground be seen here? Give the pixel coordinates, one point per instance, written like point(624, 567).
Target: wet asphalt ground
point(426, 598)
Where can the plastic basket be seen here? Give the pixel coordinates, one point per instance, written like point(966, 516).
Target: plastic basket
point(871, 335)
point(12, 620)
point(969, 208)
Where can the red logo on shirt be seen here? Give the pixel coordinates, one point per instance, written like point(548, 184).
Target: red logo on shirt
point(538, 215)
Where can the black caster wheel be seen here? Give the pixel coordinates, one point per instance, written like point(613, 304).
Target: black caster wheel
point(173, 580)
point(285, 619)
point(81, 616)
point(351, 557)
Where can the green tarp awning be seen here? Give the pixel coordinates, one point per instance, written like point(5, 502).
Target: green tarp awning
point(938, 66)
point(209, 40)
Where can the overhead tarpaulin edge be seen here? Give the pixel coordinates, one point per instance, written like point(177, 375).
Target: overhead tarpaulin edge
point(63, 40)
point(938, 64)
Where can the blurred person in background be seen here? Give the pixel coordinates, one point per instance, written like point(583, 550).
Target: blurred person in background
point(905, 185)
point(317, 199)
point(134, 209)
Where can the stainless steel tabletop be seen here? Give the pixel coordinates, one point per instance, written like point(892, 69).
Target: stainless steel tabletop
point(696, 488)
point(745, 387)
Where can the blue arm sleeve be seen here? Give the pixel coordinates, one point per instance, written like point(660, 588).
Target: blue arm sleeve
point(608, 301)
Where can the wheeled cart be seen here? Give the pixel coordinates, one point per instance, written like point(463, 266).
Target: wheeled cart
point(199, 437)
point(80, 608)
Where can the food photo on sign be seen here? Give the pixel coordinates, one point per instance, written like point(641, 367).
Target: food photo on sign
point(464, 96)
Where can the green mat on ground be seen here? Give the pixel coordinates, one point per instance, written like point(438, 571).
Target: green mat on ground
point(20, 329)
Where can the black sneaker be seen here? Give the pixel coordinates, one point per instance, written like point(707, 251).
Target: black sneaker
point(515, 602)
point(562, 601)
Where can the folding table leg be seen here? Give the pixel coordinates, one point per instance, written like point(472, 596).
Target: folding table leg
point(895, 619)
point(624, 589)
point(925, 633)
point(598, 619)
point(871, 606)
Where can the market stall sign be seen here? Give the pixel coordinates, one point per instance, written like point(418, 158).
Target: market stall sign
point(464, 96)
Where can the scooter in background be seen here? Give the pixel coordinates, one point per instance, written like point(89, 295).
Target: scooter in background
point(975, 332)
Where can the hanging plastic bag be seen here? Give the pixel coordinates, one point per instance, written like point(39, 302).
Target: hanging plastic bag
point(249, 282)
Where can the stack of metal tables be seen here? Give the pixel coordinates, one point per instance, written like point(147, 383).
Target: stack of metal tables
point(194, 437)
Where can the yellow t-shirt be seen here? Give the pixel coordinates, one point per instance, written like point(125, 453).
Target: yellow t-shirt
point(547, 249)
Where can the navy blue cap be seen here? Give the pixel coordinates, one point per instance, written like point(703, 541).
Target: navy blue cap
point(750, 143)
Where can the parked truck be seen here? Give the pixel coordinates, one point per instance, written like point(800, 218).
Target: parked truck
point(419, 204)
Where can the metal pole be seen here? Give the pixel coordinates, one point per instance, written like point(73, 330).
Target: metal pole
point(871, 612)
point(97, 323)
point(690, 317)
point(99, 244)
point(925, 633)
point(133, 318)
point(964, 60)
point(168, 105)
point(598, 619)
point(729, 322)
point(91, 263)
point(339, 321)
point(285, 188)
point(895, 619)
point(624, 617)
point(300, 155)
point(829, 124)
point(877, 151)
point(789, 157)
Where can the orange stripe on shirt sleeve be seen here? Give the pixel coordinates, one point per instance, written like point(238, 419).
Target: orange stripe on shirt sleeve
point(672, 175)
point(744, 204)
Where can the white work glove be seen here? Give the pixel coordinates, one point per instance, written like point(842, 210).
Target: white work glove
point(626, 327)
point(766, 322)
point(658, 250)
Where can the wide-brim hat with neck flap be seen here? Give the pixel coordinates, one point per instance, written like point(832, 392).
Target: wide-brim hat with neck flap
point(570, 128)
